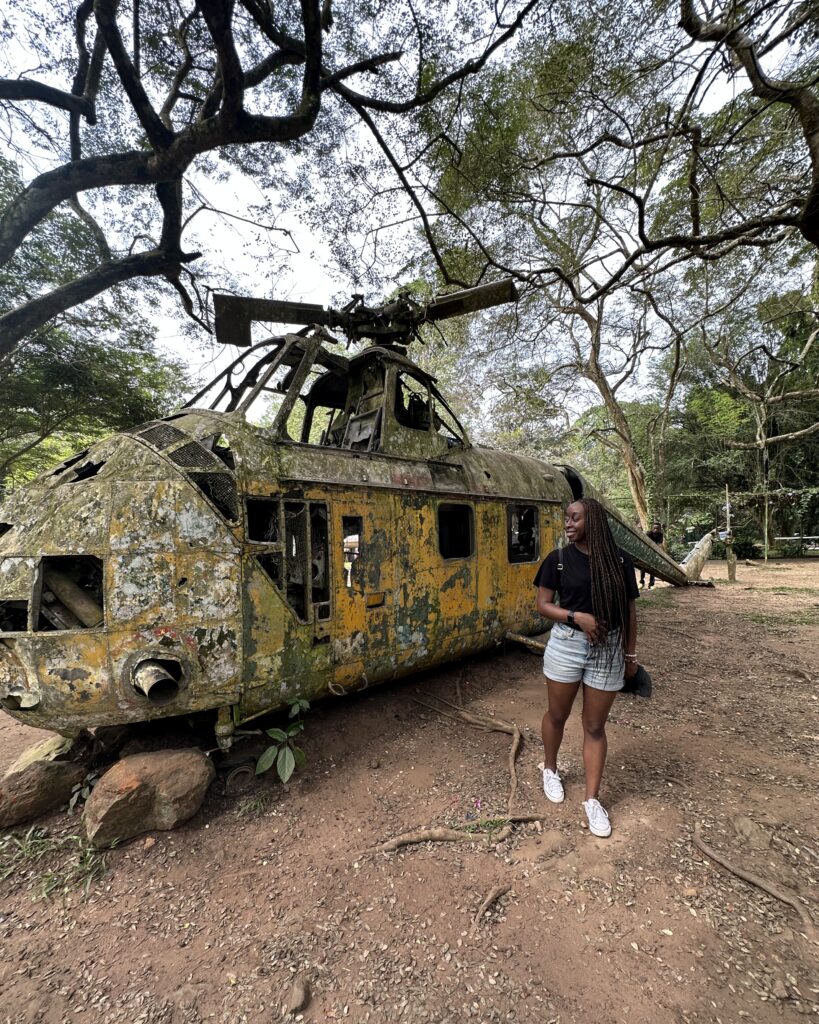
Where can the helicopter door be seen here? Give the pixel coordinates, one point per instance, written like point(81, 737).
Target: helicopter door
point(363, 568)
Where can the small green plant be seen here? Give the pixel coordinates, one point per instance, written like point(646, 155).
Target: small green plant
point(283, 751)
point(82, 790)
point(253, 806)
point(50, 864)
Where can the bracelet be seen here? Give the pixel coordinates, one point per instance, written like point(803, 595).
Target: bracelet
point(630, 657)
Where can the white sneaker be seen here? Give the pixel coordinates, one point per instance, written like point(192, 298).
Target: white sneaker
point(552, 786)
point(599, 824)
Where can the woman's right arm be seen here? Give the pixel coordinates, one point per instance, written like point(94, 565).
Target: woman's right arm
point(549, 610)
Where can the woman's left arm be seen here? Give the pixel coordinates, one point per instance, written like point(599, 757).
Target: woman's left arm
point(631, 640)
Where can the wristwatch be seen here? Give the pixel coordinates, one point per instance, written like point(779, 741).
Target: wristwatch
point(570, 619)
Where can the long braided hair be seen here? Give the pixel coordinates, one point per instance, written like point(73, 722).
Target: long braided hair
point(609, 599)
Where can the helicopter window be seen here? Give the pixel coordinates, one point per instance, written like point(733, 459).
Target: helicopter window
point(13, 616)
point(522, 533)
point(319, 557)
point(71, 596)
point(220, 446)
point(412, 408)
point(262, 520)
point(221, 490)
point(272, 566)
point(163, 435)
point(295, 555)
point(456, 533)
point(446, 426)
point(351, 527)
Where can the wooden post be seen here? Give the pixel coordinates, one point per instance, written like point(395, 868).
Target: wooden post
point(730, 557)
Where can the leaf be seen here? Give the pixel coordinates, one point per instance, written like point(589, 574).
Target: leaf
point(286, 763)
point(266, 759)
point(294, 709)
point(300, 756)
point(295, 728)
point(277, 734)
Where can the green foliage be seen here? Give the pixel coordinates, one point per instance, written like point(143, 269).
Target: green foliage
point(283, 752)
point(50, 865)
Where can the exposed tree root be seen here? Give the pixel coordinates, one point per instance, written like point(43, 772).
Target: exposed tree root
point(493, 895)
point(489, 725)
point(769, 887)
point(486, 828)
point(483, 830)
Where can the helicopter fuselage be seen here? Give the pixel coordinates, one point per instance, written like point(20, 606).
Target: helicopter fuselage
point(193, 564)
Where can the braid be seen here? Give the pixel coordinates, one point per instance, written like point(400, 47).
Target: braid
point(609, 599)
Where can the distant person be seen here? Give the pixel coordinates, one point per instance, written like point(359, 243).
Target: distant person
point(656, 534)
point(593, 642)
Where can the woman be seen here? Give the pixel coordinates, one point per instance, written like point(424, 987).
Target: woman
point(593, 642)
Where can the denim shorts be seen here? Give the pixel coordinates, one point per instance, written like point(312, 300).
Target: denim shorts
point(570, 658)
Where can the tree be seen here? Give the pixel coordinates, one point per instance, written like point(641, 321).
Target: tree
point(187, 86)
point(90, 372)
point(60, 392)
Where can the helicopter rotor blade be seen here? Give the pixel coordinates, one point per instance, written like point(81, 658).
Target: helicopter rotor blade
point(470, 300)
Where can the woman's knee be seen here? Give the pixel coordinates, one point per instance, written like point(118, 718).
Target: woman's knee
point(594, 728)
point(557, 717)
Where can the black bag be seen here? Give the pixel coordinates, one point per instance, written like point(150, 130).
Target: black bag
point(639, 684)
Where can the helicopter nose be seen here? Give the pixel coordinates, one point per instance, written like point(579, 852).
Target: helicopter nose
point(15, 694)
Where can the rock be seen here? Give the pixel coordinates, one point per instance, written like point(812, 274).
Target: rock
point(778, 989)
point(147, 792)
point(754, 835)
point(38, 782)
point(299, 996)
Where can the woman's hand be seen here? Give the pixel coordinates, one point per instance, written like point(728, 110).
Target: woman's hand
point(594, 630)
point(631, 669)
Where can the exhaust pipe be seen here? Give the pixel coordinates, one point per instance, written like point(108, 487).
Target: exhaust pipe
point(156, 681)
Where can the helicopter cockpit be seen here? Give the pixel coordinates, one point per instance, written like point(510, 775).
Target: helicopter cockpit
point(383, 404)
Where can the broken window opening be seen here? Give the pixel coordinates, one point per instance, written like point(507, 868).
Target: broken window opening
point(455, 531)
point(351, 527)
point(412, 405)
point(363, 432)
point(271, 565)
point(71, 595)
point(13, 616)
point(86, 471)
point(262, 520)
point(220, 446)
point(319, 556)
point(522, 533)
point(446, 424)
point(295, 550)
point(70, 462)
point(5, 527)
point(221, 490)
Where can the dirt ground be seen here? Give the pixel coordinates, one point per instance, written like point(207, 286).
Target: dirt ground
point(213, 922)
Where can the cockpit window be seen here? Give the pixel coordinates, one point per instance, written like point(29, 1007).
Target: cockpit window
point(412, 402)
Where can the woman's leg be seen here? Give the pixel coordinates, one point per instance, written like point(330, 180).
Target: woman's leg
point(561, 698)
point(596, 707)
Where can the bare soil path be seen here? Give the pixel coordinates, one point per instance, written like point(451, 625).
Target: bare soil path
point(214, 921)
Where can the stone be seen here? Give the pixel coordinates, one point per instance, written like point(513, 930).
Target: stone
point(145, 793)
point(38, 781)
point(754, 835)
point(298, 997)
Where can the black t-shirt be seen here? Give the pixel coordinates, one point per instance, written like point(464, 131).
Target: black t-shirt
point(656, 536)
point(574, 582)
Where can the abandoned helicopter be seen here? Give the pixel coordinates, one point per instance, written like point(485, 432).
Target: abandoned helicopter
point(202, 563)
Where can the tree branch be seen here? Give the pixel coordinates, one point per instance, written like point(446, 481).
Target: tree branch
point(25, 89)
